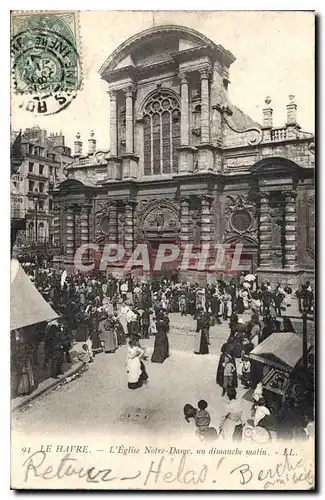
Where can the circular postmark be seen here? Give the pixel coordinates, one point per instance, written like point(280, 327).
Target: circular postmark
point(46, 70)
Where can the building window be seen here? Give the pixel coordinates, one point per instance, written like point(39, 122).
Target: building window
point(31, 166)
point(50, 205)
point(41, 187)
point(41, 204)
point(50, 170)
point(161, 127)
point(41, 169)
point(41, 231)
point(31, 185)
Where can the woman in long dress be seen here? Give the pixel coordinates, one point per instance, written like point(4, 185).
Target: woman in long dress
point(108, 334)
point(135, 367)
point(121, 340)
point(161, 348)
point(202, 335)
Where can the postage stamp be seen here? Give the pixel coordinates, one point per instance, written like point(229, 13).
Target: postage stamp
point(46, 68)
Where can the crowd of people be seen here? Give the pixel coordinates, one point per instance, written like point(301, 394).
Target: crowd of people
point(105, 312)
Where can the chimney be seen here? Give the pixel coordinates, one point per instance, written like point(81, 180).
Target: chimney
point(291, 111)
point(77, 145)
point(91, 143)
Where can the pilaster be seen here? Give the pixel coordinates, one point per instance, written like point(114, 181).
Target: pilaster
point(185, 222)
point(206, 220)
point(69, 235)
point(290, 228)
point(113, 222)
point(265, 222)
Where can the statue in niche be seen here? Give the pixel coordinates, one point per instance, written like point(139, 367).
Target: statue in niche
point(159, 219)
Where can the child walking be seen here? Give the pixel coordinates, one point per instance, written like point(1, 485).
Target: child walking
point(228, 374)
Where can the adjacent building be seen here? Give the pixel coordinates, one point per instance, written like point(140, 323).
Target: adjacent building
point(186, 165)
point(42, 160)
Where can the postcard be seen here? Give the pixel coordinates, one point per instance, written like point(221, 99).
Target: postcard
point(162, 250)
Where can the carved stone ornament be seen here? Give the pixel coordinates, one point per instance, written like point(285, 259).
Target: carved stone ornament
point(100, 157)
point(102, 221)
point(157, 218)
point(241, 217)
point(254, 136)
point(311, 147)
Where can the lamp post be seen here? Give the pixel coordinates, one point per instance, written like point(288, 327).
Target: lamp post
point(36, 218)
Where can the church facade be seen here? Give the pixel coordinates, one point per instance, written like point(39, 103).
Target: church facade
point(186, 166)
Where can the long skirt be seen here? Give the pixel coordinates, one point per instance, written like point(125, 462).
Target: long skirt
point(161, 349)
point(110, 340)
point(137, 374)
point(121, 340)
point(201, 343)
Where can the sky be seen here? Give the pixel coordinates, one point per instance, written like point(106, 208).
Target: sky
point(274, 57)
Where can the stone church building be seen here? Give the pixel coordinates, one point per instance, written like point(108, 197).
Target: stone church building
point(185, 165)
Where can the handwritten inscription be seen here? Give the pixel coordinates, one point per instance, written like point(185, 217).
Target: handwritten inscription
point(288, 470)
point(175, 470)
point(37, 465)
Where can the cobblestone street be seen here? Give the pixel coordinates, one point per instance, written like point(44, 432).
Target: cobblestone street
point(100, 401)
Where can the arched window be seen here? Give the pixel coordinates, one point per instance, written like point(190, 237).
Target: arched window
point(161, 127)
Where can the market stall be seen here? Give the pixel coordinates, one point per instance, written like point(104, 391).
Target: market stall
point(28, 311)
point(280, 358)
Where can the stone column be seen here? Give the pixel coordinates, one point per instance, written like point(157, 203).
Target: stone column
point(185, 221)
point(265, 231)
point(69, 224)
point(113, 222)
point(113, 124)
point(184, 110)
point(205, 106)
point(130, 159)
point(206, 221)
point(185, 150)
point(114, 169)
point(129, 134)
point(205, 148)
point(290, 228)
point(128, 237)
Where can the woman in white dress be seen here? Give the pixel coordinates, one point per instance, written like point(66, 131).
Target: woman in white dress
point(135, 368)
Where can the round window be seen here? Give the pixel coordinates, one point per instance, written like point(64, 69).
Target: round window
point(241, 221)
point(104, 224)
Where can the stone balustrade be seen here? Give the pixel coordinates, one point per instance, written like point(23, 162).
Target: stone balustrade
point(278, 134)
